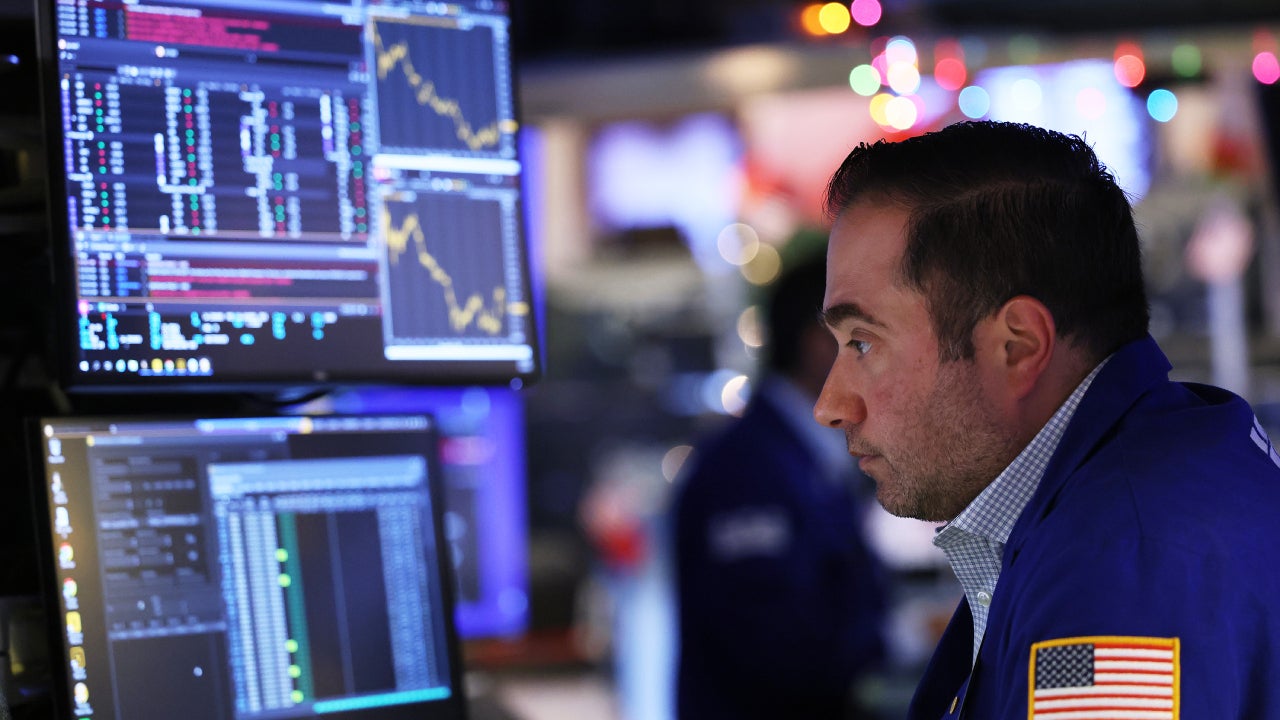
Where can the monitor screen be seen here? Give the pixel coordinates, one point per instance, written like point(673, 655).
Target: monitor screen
point(254, 194)
point(483, 470)
point(236, 568)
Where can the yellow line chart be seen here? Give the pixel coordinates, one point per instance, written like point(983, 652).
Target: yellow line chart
point(424, 91)
point(487, 318)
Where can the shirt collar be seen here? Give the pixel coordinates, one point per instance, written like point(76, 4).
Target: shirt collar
point(994, 511)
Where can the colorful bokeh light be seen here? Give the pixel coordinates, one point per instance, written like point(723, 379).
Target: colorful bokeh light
point(1162, 105)
point(738, 243)
point(763, 267)
point(834, 18)
point(1130, 70)
point(1127, 48)
point(877, 109)
point(974, 102)
point(865, 80)
point(950, 73)
point(809, 20)
point(948, 48)
point(880, 63)
point(866, 12)
point(1266, 68)
point(900, 49)
point(901, 113)
point(1186, 60)
point(904, 78)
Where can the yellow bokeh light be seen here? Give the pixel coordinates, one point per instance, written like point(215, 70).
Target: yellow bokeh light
point(749, 330)
point(877, 108)
point(834, 18)
point(764, 267)
point(809, 19)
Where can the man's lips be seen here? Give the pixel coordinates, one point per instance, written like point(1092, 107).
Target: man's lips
point(864, 456)
point(862, 451)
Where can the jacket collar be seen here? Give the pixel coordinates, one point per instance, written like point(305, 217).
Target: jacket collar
point(1131, 372)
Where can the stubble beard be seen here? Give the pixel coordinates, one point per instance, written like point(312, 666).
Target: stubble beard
point(949, 455)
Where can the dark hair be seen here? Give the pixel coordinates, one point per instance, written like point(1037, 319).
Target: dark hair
point(793, 305)
point(1003, 209)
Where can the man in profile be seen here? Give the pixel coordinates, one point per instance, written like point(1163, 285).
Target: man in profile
point(1114, 532)
point(780, 601)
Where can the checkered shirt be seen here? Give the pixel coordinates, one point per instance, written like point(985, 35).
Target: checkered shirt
point(974, 541)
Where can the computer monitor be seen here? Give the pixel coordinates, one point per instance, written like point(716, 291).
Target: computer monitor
point(251, 194)
point(483, 471)
point(244, 568)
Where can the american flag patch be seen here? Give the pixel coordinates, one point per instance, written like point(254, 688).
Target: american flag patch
point(1104, 678)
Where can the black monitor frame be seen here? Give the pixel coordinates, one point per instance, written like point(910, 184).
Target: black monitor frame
point(383, 321)
point(376, 434)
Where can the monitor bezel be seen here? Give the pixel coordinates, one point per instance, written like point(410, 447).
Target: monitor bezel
point(60, 697)
point(66, 353)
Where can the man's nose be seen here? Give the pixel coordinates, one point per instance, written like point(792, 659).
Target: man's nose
point(839, 405)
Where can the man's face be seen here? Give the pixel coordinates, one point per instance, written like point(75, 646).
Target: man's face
point(924, 430)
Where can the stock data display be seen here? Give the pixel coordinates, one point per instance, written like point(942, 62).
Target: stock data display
point(456, 106)
point(233, 568)
point(287, 192)
point(418, 259)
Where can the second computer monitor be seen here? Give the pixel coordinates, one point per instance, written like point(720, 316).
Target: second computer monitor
point(247, 568)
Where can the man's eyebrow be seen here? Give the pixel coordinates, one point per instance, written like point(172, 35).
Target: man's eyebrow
point(841, 312)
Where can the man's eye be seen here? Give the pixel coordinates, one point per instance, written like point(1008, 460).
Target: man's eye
point(862, 347)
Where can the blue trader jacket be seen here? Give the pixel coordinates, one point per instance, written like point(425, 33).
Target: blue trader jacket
point(780, 601)
point(1143, 578)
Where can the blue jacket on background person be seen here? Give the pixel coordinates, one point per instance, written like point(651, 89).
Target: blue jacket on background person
point(780, 600)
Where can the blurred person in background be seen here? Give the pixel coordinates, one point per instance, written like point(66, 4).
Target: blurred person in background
point(1113, 530)
point(780, 602)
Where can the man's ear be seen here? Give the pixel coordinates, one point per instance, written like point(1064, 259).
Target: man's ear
point(1023, 337)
